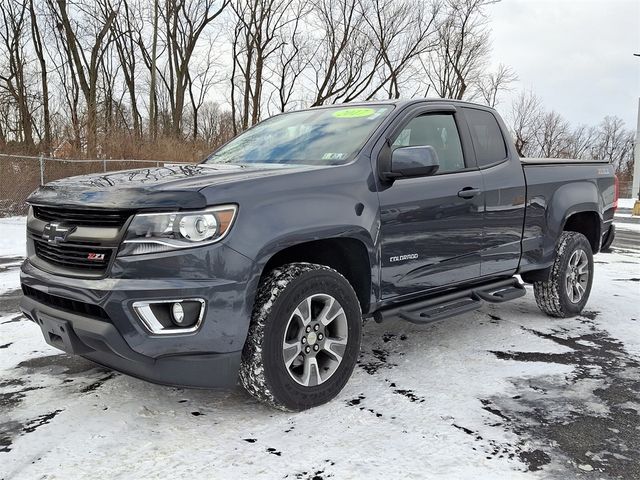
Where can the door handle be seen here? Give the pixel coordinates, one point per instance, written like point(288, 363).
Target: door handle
point(469, 192)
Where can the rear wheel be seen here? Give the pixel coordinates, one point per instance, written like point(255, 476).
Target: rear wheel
point(566, 291)
point(304, 337)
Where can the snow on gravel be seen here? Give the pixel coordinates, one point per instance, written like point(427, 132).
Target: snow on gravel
point(12, 250)
point(504, 392)
point(626, 202)
point(12, 240)
point(634, 227)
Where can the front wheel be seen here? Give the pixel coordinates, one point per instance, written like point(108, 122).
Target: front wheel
point(566, 291)
point(304, 337)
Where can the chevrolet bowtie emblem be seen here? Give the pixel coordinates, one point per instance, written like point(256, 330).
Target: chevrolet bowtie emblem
point(57, 232)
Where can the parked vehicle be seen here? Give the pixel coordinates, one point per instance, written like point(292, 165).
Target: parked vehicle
point(262, 261)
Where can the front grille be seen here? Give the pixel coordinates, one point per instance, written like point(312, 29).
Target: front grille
point(61, 303)
point(92, 258)
point(82, 217)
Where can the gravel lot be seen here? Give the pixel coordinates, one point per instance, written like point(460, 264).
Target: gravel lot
point(504, 392)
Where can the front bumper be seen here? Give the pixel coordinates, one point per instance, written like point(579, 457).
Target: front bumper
point(102, 343)
point(206, 358)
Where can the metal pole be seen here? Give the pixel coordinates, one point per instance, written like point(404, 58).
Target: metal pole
point(635, 186)
point(104, 165)
point(41, 170)
point(635, 189)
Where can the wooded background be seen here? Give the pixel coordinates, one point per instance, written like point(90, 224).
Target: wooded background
point(172, 79)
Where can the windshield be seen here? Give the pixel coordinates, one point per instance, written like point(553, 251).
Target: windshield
point(323, 136)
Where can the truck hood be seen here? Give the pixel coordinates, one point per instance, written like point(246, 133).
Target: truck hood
point(171, 186)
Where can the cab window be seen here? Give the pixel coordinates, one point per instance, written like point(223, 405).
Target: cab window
point(438, 131)
point(486, 137)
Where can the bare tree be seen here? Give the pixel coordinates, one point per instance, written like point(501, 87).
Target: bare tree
point(367, 46)
point(109, 104)
point(126, 28)
point(88, 34)
point(525, 114)
point(259, 35)
point(44, 81)
point(70, 71)
point(614, 143)
point(492, 84)
point(210, 122)
point(13, 27)
point(200, 84)
point(402, 31)
point(5, 120)
point(463, 47)
point(153, 101)
point(552, 135)
point(69, 90)
point(580, 142)
point(344, 65)
point(548, 134)
point(184, 25)
point(293, 59)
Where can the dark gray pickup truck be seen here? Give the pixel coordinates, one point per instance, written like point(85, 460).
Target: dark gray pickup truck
point(261, 262)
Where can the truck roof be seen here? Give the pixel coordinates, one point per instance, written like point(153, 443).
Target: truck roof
point(405, 102)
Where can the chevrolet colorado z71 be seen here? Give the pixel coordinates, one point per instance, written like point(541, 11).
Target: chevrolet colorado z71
point(262, 261)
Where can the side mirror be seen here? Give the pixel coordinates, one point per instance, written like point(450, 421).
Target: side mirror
point(420, 161)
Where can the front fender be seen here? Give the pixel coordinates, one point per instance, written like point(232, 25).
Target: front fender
point(286, 210)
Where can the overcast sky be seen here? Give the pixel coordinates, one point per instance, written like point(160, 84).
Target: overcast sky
point(576, 55)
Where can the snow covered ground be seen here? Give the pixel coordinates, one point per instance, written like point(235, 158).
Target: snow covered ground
point(504, 392)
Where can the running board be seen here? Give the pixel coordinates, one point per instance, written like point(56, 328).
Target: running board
point(516, 290)
point(449, 305)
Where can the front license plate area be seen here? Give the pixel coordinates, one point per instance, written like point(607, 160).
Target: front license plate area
point(59, 334)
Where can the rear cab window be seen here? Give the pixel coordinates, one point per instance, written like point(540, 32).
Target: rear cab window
point(486, 136)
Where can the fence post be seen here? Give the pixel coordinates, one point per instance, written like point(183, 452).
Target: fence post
point(104, 165)
point(41, 170)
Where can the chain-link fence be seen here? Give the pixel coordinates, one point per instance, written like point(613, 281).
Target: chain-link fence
point(21, 175)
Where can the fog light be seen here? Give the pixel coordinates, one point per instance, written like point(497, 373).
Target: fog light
point(171, 317)
point(186, 313)
point(177, 313)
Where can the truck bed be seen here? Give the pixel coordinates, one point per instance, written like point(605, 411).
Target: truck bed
point(554, 194)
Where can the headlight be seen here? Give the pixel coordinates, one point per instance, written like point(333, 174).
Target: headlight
point(159, 232)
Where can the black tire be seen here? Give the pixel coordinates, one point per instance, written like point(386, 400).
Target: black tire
point(552, 295)
point(263, 372)
point(608, 239)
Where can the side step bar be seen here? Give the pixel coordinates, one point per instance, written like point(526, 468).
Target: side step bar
point(449, 305)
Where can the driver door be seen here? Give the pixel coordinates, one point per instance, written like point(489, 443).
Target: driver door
point(432, 227)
